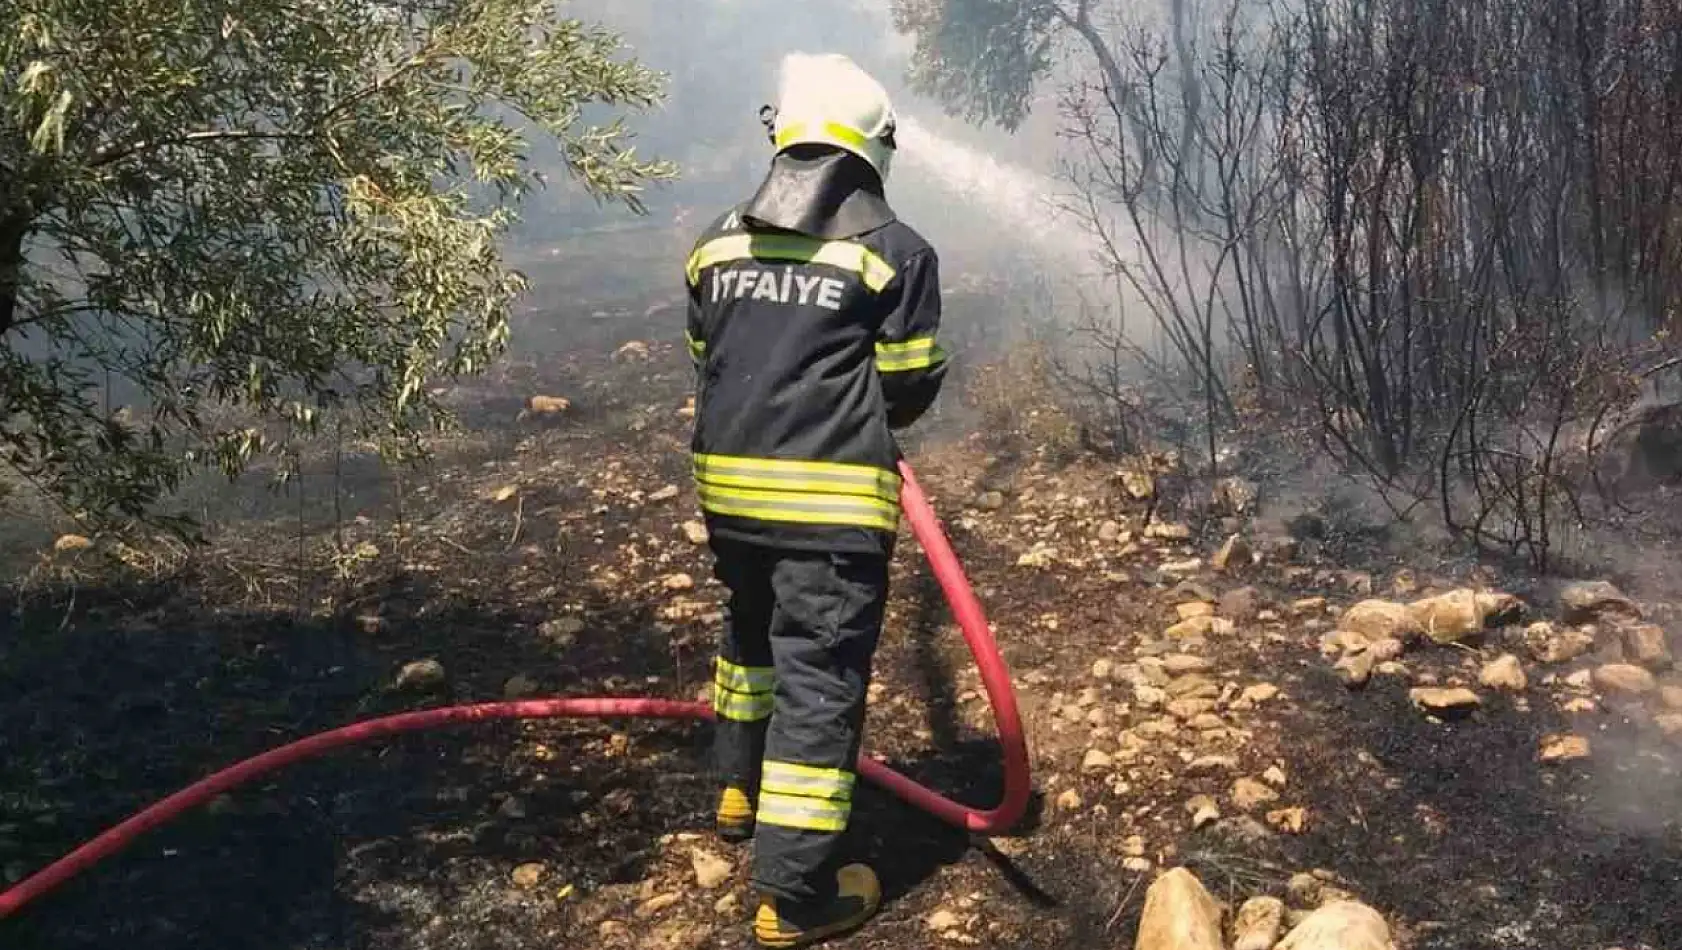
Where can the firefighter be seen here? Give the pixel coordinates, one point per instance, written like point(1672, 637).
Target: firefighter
point(813, 313)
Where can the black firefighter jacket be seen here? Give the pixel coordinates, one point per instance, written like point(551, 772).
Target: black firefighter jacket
point(809, 353)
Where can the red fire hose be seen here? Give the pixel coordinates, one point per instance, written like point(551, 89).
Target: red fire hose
point(925, 526)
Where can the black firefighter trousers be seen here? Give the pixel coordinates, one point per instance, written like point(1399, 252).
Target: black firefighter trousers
point(789, 689)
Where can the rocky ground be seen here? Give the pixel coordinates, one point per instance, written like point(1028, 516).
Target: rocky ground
point(1434, 756)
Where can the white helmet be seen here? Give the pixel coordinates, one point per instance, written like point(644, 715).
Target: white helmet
point(827, 99)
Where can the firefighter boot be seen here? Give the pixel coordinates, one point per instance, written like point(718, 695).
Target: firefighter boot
point(734, 818)
point(784, 924)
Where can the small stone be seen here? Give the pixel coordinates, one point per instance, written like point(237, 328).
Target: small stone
point(1304, 890)
point(1444, 701)
point(1670, 724)
point(1168, 531)
point(1234, 555)
point(1564, 748)
point(711, 871)
point(1581, 679)
point(1249, 794)
point(1179, 914)
point(1212, 763)
point(548, 405)
point(1289, 820)
point(1102, 669)
point(563, 630)
point(608, 929)
point(1195, 628)
point(1274, 776)
point(1548, 644)
point(1258, 924)
point(664, 494)
point(1259, 693)
point(1344, 641)
point(1625, 678)
point(519, 686)
point(1097, 760)
point(1194, 608)
point(1109, 532)
point(1180, 663)
point(658, 903)
point(942, 921)
point(1596, 600)
point(1356, 669)
point(1386, 649)
point(1504, 672)
point(1133, 846)
point(1206, 813)
point(1339, 925)
point(1308, 605)
point(1189, 708)
point(678, 582)
point(1670, 696)
point(1377, 619)
point(1648, 645)
point(728, 905)
point(528, 876)
point(1579, 704)
point(421, 675)
point(695, 532)
point(1070, 800)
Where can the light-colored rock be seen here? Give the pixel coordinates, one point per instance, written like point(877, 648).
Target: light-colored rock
point(1234, 555)
point(1450, 617)
point(1340, 925)
point(1097, 760)
point(1504, 672)
point(1203, 811)
point(1240, 605)
point(1249, 794)
point(1377, 619)
point(942, 921)
point(528, 875)
point(1304, 890)
point(1670, 696)
point(1259, 693)
point(990, 500)
point(1258, 924)
point(1103, 669)
point(695, 532)
point(1386, 649)
point(711, 871)
point(1596, 600)
point(1670, 724)
point(1648, 645)
point(421, 675)
point(548, 405)
point(1306, 606)
point(1168, 531)
point(1355, 669)
point(1624, 678)
point(1070, 800)
point(660, 902)
point(1109, 532)
point(1179, 915)
point(1549, 644)
point(1444, 701)
point(1289, 820)
point(678, 582)
point(1195, 628)
point(1194, 608)
point(1236, 496)
point(1564, 748)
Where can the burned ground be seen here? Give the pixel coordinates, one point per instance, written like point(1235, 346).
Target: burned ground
point(540, 555)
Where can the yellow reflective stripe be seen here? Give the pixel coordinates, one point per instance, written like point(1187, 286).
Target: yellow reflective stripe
point(916, 353)
point(788, 778)
point(845, 255)
point(844, 134)
point(742, 707)
point(697, 349)
point(799, 507)
point(837, 478)
point(806, 814)
point(744, 679)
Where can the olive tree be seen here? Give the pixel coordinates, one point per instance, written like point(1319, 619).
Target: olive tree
point(248, 215)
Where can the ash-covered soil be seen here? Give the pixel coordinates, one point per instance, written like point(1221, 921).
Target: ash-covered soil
point(1177, 714)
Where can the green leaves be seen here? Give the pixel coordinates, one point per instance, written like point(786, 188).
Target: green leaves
point(251, 214)
point(980, 58)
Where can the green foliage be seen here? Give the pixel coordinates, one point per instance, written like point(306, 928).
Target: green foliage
point(247, 214)
point(980, 58)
